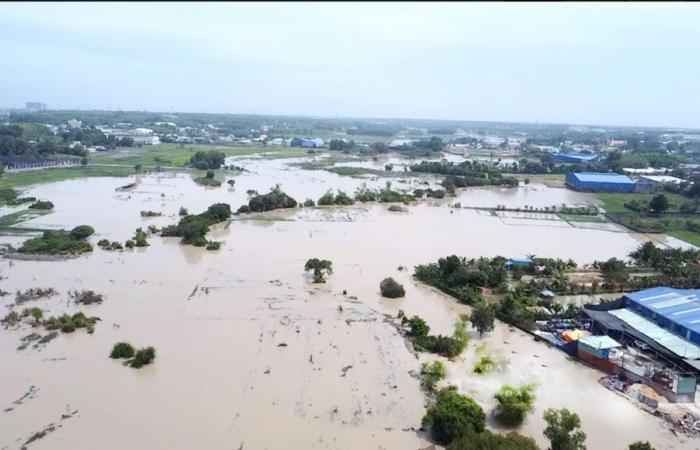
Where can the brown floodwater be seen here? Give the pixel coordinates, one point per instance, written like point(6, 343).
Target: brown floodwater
point(251, 354)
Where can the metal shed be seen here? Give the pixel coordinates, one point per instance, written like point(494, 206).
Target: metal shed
point(599, 182)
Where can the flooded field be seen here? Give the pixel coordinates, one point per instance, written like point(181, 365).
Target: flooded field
point(250, 353)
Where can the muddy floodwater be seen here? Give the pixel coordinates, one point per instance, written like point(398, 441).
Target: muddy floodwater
point(250, 353)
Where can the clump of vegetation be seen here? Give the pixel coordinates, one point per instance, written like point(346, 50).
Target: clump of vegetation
point(59, 242)
point(150, 214)
point(143, 357)
point(308, 203)
point(104, 244)
point(183, 211)
point(134, 358)
point(211, 159)
point(21, 200)
point(275, 199)
point(194, 227)
point(36, 313)
point(11, 319)
point(493, 441)
point(122, 350)
point(448, 346)
point(208, 179)
point(485, 365)
point(341, 198)
point(452, 416)
point(86, 297)
point(139, 238)
point(390, 288)
point(33, 294)
point(213, 245)
point(514, 404)
point(41, 205)
point(68, 324)
point(639, 445)
point(320, 267)
point(431, 374)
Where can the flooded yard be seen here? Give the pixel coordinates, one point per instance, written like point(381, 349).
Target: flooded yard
point(245, 340)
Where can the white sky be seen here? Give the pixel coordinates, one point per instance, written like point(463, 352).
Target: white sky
point(593, 63)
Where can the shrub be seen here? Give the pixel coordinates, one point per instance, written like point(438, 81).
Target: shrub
point(140, 238)
point(309, 203)
point(81, 232)
point(486, 440)
point(320, 267)
point(213, 245)
point(485, 365)
point(122, 350)
point(327, 199)
point(129, 244)
point(452, 416)
point(390, 288)
point(514, 404)
point(103, 243)
point(275, 199)
point(143, 357)
point(183, 211)
point(431, 374)
point(41, 205)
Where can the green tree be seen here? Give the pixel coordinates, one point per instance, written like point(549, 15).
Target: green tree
point(658, 204)
point(483, 318)
point(122, 350)
point(417, 327)
point(486, 440)
point(452, 416)
point(614, 270)
point(564, 430)
point(390, 288)
point(320, 268)
point(639, 445)
point(514, 404)
point(37, 314)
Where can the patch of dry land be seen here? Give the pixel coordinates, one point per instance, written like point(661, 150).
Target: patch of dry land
point(250, 353)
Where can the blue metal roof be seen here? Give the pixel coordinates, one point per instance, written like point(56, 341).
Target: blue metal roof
point(600, 177)
point(681, 306)
point(580, 156)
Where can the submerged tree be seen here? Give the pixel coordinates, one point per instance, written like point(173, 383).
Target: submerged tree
point(320, 267)
point(514, 404)
point(483, 318)
point(564, 430)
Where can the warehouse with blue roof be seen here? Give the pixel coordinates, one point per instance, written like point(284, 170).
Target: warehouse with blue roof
point(575, 158)
point(600, 182)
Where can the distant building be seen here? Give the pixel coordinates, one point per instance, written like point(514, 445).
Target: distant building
point(599, 182)
point(618, 142)
point(646, 171)
point(660, 180)
point(35, 106)
point(575, 158)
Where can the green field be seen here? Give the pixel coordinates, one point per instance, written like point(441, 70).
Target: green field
point(688, 236)
point(121, 163)
point(615, 202)
point(177, 155)
point(27, 178)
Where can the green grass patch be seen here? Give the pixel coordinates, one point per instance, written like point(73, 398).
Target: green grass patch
point(691, 237)
point(30, 177)
point(581, 218)
point(615, 202)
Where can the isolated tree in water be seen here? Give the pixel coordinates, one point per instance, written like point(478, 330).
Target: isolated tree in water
point(320, 267)
point(483, 318)
point(564, 430)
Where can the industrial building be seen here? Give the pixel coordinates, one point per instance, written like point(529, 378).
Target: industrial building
point(600, 182)
point(575, 158)
point(658, 336)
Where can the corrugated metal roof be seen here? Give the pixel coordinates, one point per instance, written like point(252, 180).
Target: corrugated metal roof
point(673, 343)
point(581, 156)
point(681, 306)
point(600, 177)
point(600, 342)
